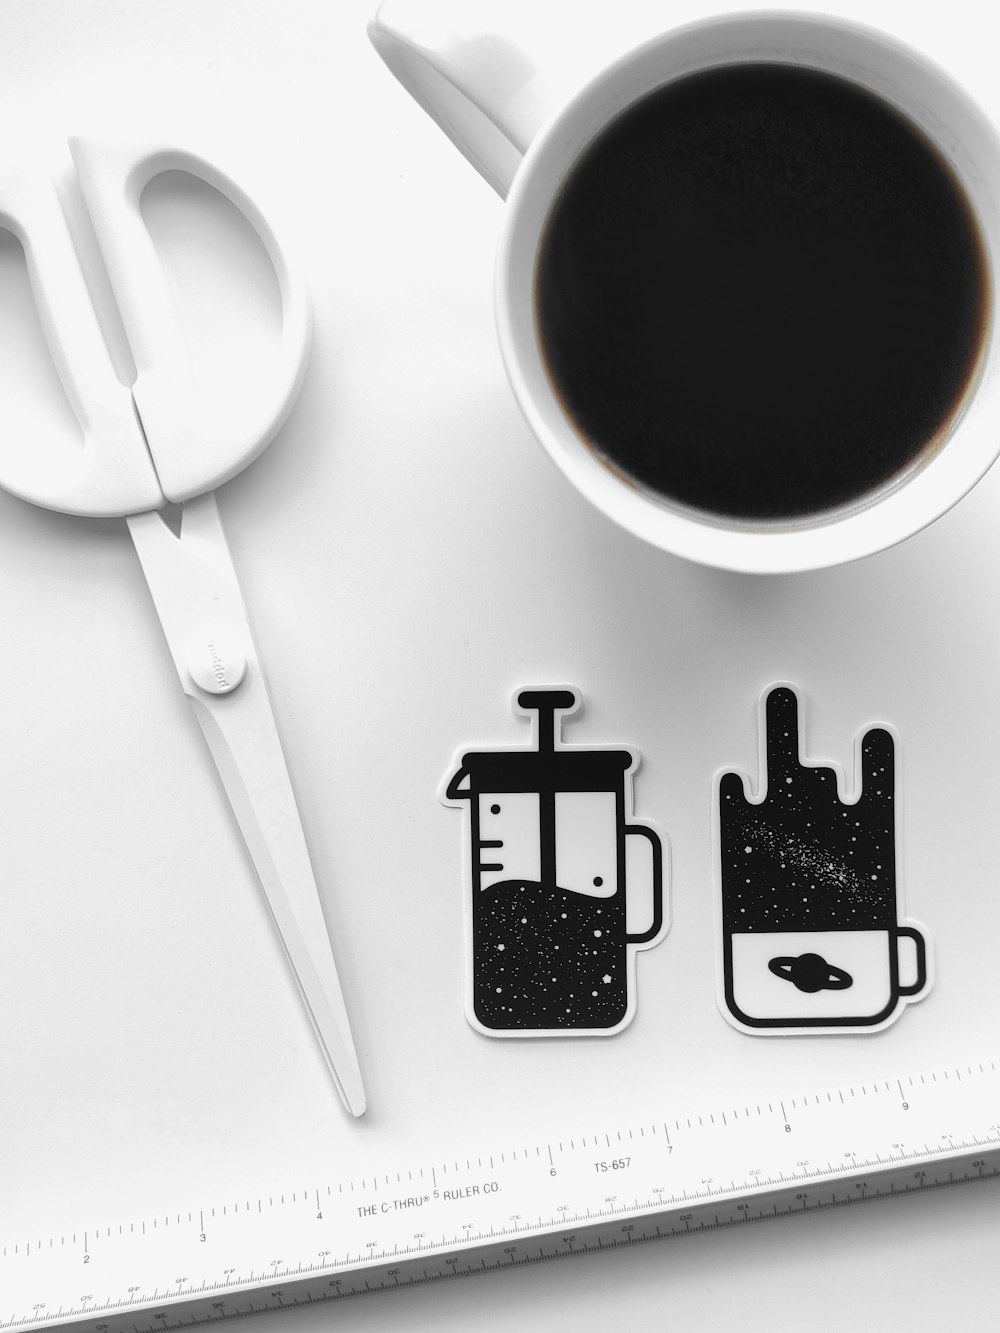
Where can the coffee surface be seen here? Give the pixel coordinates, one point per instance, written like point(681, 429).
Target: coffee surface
point(762, 293)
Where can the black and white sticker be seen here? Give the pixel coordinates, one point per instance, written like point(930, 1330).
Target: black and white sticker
point(811, 932)
point(563, 889)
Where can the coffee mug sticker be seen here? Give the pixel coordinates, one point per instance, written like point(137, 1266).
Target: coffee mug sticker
point(811, 936)
point(564, 888)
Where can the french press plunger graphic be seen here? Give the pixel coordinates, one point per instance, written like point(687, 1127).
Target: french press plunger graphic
point(556, 878)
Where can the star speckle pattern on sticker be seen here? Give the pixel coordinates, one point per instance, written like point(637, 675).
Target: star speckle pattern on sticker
point(803, 859)
point(543, 935)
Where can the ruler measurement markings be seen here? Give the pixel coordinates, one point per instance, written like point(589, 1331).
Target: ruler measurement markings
point(861, 1189)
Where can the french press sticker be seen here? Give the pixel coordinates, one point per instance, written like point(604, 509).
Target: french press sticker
point(564, 888)
point(812, 936)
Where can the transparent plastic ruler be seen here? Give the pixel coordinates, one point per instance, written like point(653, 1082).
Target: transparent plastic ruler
point(509, 1205)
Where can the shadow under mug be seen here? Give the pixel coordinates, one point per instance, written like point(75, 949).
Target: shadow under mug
point(495, 111)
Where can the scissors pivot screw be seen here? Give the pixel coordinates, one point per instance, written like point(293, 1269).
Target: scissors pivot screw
point(217, 663)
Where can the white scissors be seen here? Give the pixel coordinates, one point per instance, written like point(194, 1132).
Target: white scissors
point(164, 440)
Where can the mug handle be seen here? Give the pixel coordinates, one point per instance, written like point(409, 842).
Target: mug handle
point(645, 936)
point(917, 986)
point(480, 88)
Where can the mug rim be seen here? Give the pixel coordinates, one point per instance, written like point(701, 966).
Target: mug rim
point(900, 75)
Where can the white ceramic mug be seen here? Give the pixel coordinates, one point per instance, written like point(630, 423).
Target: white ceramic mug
point(497, 117)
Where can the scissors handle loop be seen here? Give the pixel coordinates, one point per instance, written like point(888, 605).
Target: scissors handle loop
point(109, 471)
point(195, 444)
point(171, 436)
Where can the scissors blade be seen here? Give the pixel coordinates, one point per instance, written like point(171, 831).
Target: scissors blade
point(197, 598)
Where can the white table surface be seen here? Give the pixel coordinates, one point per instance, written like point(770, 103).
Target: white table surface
point(409, 557)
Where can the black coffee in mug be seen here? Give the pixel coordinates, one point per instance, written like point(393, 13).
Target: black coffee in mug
point(762, 293)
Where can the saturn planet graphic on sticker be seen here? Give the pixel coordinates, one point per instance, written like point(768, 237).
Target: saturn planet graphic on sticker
point(811, 972)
